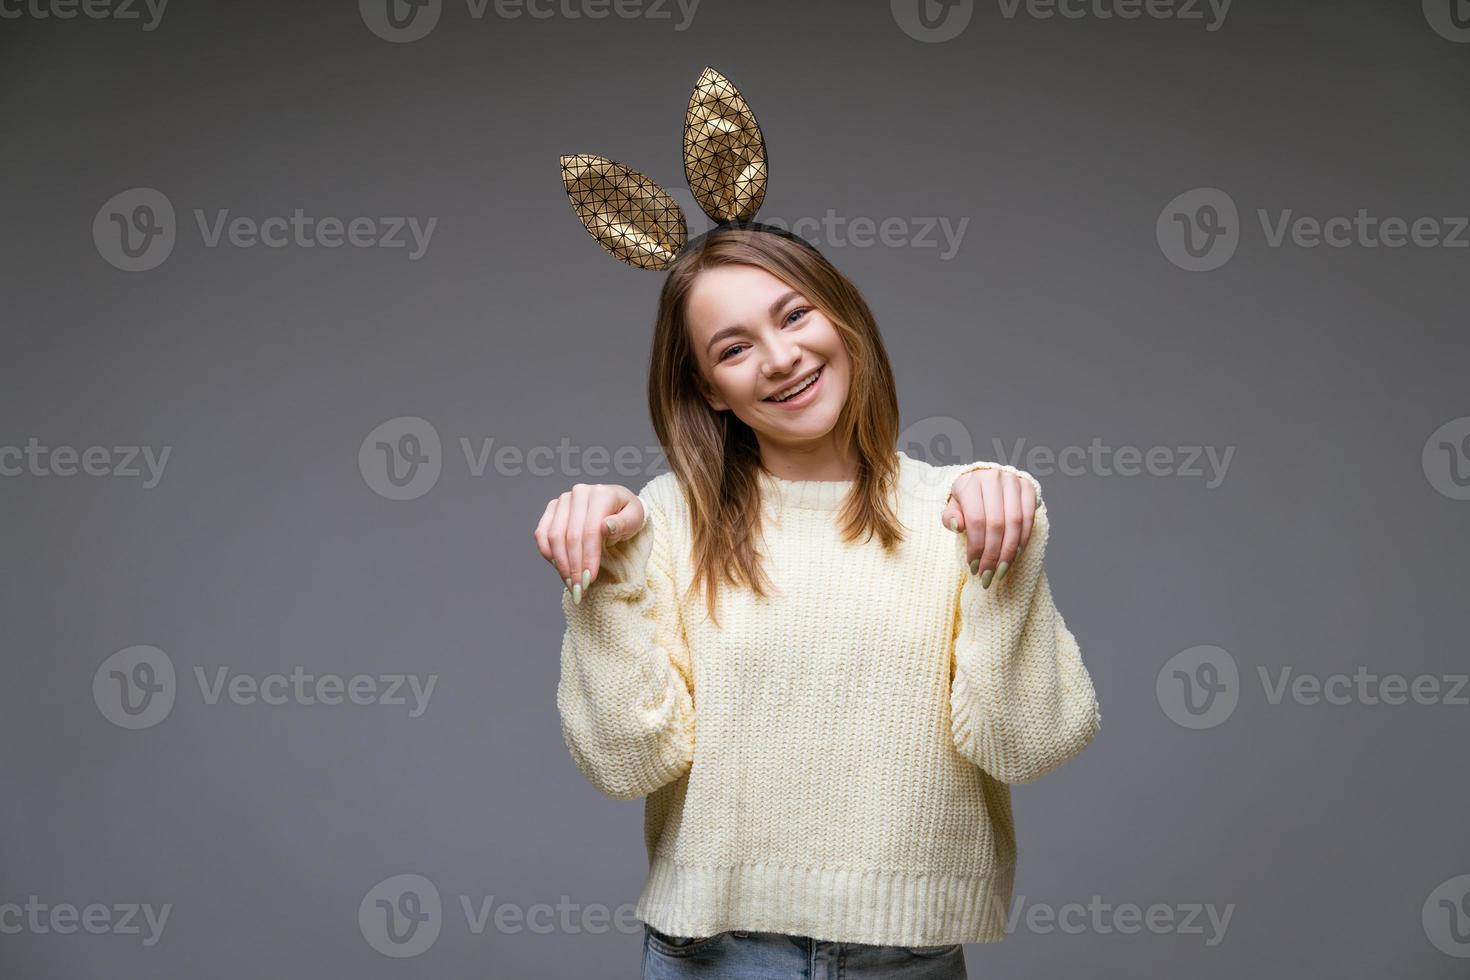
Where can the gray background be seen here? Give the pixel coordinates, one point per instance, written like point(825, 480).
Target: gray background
point(1326, 548)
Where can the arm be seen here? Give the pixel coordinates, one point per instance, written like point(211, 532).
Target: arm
point(626, 712)
point(1021, 700)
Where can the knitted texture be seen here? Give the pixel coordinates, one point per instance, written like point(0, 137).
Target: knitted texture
point(834, 760)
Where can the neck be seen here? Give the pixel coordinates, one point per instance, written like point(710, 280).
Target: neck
point(822, 464)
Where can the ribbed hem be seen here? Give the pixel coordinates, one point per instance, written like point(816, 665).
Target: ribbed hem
point(887, 908)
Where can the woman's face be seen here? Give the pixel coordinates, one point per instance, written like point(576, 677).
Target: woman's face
point(755, 337)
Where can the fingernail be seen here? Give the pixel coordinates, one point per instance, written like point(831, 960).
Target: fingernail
point(1000, 571)
point(568, 583)
point(985, 577)
point(586, 577)
point(577, 594)
point(612, 526)
point(954, 524)
point(974, 565)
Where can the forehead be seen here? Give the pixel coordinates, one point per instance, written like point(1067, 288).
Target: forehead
point(730, 294)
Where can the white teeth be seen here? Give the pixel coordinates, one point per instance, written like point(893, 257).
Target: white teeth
point(797, 388)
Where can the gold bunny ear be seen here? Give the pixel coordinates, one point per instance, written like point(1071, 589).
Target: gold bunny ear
point(629, 215)
point(724, 153)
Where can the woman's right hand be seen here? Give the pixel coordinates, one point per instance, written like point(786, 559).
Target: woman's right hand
point(581, 522)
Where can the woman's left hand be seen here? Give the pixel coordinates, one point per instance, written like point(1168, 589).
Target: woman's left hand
point(994, 508)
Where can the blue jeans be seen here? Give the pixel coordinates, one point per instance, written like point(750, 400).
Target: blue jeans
point(738, 953)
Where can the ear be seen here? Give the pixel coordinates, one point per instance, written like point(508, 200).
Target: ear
point(632, 217)
point(724, 152)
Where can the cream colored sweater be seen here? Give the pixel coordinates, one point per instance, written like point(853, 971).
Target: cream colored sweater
point(834, 761)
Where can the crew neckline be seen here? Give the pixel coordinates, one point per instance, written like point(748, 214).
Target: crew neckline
point(814, 494)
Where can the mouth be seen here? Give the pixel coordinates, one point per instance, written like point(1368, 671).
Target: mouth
point(800, 393)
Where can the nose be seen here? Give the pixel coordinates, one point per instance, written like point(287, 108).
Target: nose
point(785, 355)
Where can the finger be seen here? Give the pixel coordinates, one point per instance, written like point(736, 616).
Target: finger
point(1010, 485)
point(951, 517)
point(595, 534)
point(1028, 511)
point(542, 533)
point(624, 523)
point(972, 522)
point(576, 538)
point(558, 536)
point(995, 524)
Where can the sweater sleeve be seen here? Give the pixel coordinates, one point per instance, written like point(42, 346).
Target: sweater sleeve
point(627, 715)
point(1021, 700)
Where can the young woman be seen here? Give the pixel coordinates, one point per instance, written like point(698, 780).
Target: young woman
point(826, 742)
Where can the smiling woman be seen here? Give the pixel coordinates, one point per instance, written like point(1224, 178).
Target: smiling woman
point(825, 748)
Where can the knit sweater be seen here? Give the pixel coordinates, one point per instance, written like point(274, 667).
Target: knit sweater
point(834, 760)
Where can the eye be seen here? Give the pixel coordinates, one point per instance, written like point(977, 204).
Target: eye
point(799, 309)
point(727, 350)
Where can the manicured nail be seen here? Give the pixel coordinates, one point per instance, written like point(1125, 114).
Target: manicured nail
point(954, 524)
point(586, 578)
point(568, 583)
point(974, 565)
point(577, 593)
point(612, 526)
point(985, 577)
point(1000, 571)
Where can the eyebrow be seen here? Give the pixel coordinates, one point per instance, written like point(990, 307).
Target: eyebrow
point(724, 332)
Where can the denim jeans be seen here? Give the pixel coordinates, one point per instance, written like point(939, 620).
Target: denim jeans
point(739, 953)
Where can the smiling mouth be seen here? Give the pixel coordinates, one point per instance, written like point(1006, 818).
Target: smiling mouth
point(810, 380)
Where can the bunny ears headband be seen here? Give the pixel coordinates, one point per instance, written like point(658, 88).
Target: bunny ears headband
point(636, 220)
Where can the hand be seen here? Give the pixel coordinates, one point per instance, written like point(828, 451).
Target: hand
point(580, 523)
point(994, 508)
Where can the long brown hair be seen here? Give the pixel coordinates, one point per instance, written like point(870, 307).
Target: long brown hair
point(715, 456)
